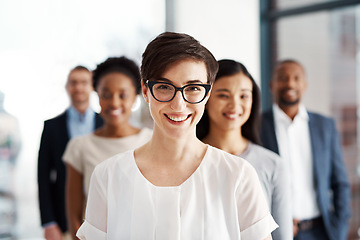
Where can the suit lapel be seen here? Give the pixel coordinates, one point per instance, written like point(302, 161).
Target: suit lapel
point(315, 148)
point(98, 121)
point(64, 130)
point(273, 144)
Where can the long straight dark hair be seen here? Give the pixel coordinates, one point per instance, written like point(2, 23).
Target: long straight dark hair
point(250, 129)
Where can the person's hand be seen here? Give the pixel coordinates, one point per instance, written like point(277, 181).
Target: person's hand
point(52, 232)
point(295, 226)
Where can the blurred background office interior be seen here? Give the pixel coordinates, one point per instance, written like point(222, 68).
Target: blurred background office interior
point(42, 40)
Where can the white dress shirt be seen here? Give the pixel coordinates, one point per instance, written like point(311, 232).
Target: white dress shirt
point(293, 138)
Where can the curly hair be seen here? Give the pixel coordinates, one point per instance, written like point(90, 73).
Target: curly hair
point(118, 64)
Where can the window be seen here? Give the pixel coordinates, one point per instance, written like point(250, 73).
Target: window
point(324, 37)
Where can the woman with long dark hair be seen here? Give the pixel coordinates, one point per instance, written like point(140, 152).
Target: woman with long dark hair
point(231, 123)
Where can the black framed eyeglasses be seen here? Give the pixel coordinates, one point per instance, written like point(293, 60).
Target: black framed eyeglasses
point(165, 92)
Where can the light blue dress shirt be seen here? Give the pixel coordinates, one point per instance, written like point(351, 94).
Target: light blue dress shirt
point(80, 124)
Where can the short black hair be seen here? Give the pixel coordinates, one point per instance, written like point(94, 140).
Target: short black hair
point(168, 48)
point(286, 61)
point(80, 68)
point(118, 64)
point(250, 129)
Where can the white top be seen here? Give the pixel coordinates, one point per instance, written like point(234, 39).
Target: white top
point(275, 180)
point(293, 137)
point(85, 152)
point(222, 199)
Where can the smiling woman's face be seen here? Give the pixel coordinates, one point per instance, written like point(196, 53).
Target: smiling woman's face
point(117, 94)
point(230, 102)
point(178, 118)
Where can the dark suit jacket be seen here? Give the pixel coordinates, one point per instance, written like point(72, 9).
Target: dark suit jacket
point(51, 169)
point(332, 185)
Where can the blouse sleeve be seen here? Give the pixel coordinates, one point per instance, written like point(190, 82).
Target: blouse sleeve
point(256, 222)
point(72, 154)
point(89, 232)
point(95, 225)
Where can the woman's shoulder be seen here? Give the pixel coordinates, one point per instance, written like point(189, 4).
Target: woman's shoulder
point(264, 152)
point(80, 142)
point(266, 158)
point(117, 162)
point(229, 162)
point(81, 139)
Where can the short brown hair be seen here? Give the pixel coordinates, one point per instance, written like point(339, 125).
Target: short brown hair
point(170, 47)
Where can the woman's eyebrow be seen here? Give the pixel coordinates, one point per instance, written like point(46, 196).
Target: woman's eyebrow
point(188, 82)
point(227, 90)
point(222, 90)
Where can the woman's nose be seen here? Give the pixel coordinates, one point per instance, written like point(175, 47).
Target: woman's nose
point(115, 101)
point(178, 103)
point(235, 104)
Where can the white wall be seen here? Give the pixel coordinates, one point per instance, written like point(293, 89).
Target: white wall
point(228, 28)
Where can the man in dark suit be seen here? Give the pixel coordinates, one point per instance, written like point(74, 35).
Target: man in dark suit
point(77, 120)
point(310, 145)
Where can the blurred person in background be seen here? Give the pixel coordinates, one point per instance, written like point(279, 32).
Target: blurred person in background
point(117, 82)
point(310, 145)
point(10, 145)
point(231, 122)
point(10, 138)
point(78, 119)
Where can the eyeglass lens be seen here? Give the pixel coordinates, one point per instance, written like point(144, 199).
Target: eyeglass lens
point(192, 93)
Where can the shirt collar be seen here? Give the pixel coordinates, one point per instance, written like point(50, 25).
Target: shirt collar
point(75, 115)
point(280, 115)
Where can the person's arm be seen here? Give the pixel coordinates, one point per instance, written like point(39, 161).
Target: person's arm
point(52, 232)
point(339, 184)
point(74, 199)
point(281, 202)
point(45, 172)
point(95, 225)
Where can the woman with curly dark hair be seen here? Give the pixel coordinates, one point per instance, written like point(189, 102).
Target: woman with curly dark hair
point(117, 82)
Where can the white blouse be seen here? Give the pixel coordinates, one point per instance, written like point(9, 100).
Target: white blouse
point(85, 152)
point(222, 199)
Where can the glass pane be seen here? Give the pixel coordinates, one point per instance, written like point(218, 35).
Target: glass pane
point(327, 44)
point(285, 4)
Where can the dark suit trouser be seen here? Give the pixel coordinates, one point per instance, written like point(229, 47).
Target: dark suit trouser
point(316, 233)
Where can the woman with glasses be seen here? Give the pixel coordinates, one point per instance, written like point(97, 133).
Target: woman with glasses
point(176, 187)
point(117, 82)
point(231, 123)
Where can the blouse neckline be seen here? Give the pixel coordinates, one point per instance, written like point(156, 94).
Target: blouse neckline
point(196, 172)
point(110, 139)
